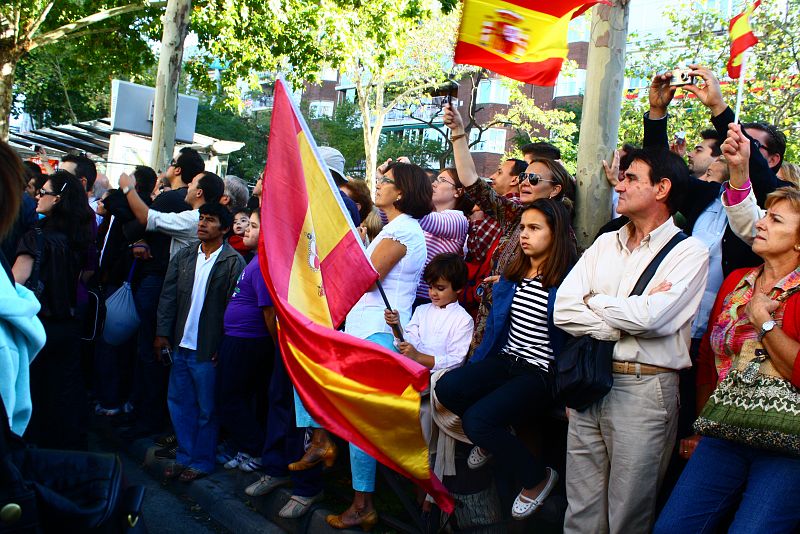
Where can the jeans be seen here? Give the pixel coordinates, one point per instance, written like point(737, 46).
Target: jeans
point(244, 366)
point(720, 473)
point(285, 442)
point(191, 406)
point(492, 394)
point(150, 378)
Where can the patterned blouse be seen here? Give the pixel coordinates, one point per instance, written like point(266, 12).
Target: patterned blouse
point(731, 328)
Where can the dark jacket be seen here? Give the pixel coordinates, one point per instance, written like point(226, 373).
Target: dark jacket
point(176, 297)
point(499, 320)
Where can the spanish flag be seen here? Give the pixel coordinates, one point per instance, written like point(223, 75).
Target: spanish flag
point(316, 269)
point(742, 38)
point(524, 40)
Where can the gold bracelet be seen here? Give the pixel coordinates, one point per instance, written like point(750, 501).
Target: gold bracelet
point(457, 137)
point(738, 189)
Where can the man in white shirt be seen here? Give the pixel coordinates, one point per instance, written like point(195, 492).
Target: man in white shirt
point(618, 448)
point(199, 282)
point(182, 227)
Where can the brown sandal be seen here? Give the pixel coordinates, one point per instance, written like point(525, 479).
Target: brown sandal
point(321, 449)
point(191, 474)
point(365, 521)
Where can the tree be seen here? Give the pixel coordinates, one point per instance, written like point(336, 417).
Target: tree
point(391, 51)
point(772, 90)
point(341, 131)
point(26, 25)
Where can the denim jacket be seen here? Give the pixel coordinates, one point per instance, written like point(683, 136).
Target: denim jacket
point(499, 320)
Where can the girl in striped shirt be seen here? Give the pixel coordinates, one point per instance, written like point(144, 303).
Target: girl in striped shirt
point(509, 375)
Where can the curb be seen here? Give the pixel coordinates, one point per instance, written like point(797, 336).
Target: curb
point(221, 495)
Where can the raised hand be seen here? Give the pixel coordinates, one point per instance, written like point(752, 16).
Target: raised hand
point(710, 93)
point(736, 149)
point(452, 119)
point(661, 94)
point(612, 171)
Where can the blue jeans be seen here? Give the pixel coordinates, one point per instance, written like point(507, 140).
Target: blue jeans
point(722, 473)
point(492, 394)
point(191, 405)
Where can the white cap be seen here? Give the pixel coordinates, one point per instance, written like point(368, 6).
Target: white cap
point(333, 159)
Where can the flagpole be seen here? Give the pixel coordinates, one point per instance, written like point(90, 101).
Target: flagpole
point(740, 92)
point(398, 332)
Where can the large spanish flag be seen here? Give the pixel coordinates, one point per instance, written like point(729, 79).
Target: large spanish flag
point(316, 269)
point(742, 38)
point(523, 39)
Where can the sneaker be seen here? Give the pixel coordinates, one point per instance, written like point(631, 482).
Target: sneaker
point(127, 407)
point(99, 410)
point(236, 461)
point(478, 458)
point(265, 484)
point(167, 453)
point(298, 506)
point(251, 465)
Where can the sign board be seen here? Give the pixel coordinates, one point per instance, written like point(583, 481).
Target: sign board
point(132, 111)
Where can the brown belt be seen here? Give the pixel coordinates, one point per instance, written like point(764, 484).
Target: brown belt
point(633, 368)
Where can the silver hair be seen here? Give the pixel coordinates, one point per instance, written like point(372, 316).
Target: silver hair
point(236, 190)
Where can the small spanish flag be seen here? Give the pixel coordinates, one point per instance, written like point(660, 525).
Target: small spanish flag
point(316, 269)
point(521, 39)
point(742, 38)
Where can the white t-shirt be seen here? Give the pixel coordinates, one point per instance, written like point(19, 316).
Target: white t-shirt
point(400, 285)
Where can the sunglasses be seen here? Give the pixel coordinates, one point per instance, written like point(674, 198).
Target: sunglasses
point(533, 178)
point(44, 192)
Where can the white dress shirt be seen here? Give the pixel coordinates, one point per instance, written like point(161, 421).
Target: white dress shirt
point(182, 227)
point(651, 329)
point(444, 333)
point(202, 270)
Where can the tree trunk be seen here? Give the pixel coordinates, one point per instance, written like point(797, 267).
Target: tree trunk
point(600, 120)
point(8, 64)
point(165, 106)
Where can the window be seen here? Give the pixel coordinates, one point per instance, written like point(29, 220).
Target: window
point(580, 30)
point(493, 140)
point(320, 108)
point(492, 91)
point(571, 85)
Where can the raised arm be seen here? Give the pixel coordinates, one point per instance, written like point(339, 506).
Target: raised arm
point(655, 120)
point(738, 198)
point(451, 225)
point(137, 205)
point(464, 164)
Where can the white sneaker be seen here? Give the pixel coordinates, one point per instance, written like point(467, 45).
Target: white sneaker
point(298, 506)
point(236, 461)
point(478, 458)
point(251, 465)
point(265, 484)
point(523, 506)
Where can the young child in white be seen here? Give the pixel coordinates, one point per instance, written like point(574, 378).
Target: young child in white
point(438, 334)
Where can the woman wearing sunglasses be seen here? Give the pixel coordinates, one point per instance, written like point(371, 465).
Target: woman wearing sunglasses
point(510, 374)
point(49, 261)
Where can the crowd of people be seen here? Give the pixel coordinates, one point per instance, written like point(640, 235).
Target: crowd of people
point(487, 288)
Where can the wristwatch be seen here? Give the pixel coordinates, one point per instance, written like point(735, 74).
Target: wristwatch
point(127, 189)
point(766, 328)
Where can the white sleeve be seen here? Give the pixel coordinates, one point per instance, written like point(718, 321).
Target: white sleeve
point(571, 314)
point(181, 225)
point(665, 312)
point(411, 330)
point(457, 343)
point(742, 217)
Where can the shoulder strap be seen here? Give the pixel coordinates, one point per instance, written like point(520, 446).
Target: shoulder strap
point(651, 269)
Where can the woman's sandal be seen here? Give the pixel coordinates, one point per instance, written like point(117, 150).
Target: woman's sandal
point(524, 506)
point(366, 521)
point(191, 474)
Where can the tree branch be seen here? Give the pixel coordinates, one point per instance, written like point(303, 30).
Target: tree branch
point(29, 32)
point(68, 29)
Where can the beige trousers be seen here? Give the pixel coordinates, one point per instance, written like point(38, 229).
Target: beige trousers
point(617, 453)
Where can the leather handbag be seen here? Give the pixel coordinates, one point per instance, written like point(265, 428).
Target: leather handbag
point(754, 405)
point(45, 490)
point(584, 366)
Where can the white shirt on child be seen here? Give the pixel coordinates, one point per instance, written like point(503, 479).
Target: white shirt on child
point(444, 333)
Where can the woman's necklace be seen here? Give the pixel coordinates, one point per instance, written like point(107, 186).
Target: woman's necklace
point(765, 288)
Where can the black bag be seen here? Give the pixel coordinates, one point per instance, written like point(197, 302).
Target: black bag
point(34, 282)
point(584, 367)
point(63, 491)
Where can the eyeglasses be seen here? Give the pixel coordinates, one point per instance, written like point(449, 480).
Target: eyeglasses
point(533, 178)
point(385, 180)
point(172, 163)
point(44, 192)
point(441, 180)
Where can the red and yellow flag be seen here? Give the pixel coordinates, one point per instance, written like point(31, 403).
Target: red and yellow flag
point(522, 39)
point(742, 38)
point(316, 269)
